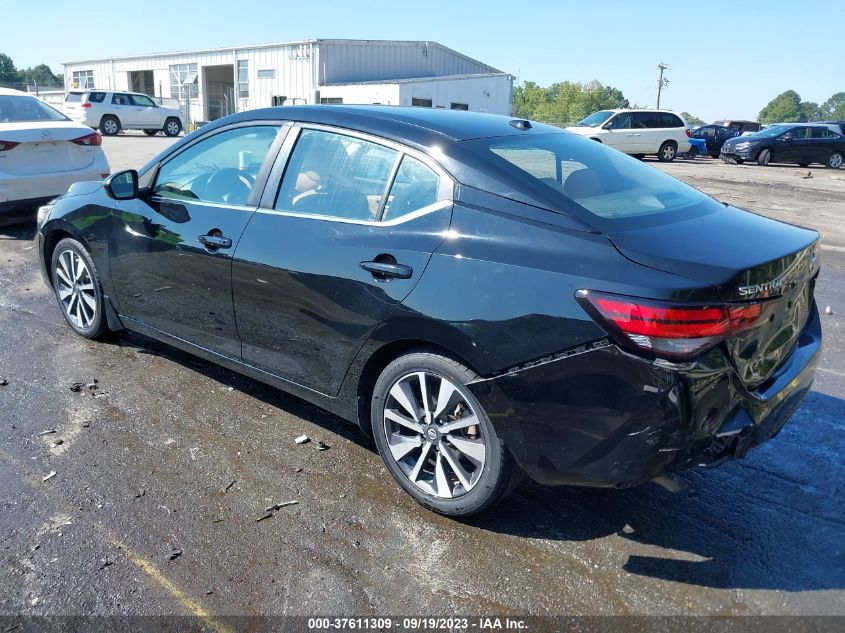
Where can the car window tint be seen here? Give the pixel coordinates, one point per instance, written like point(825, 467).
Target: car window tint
point(22, 109)
point(221, 168)
point(798, 133)
point(821, 132)
point(414, 187)
point(667, 119)
point(335, 175)
point(645, 119)
point(604, 182)
point(120, 99)
point(706, 132)
point(96, 97)
point(141, 100)
point(621, 121)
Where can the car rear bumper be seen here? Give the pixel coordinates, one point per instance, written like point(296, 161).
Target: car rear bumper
point(602, 417)
point(18, 191)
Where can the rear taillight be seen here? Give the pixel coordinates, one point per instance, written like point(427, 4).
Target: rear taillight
point(669, 330)
point(92, 139)
point(86, 105)
point(7, 145)
point(688, 132)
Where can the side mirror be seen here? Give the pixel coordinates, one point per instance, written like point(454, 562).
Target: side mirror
point(607, 126)
point(123, 185)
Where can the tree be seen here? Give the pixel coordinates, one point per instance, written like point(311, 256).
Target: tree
point(811, 111)
point(834, 108)
point(785, 108)
point(691, 120)
point(8, 72)
point(40, 74)
point(565, 102)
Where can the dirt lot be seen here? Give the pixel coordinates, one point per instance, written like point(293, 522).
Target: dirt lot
point(176, 454)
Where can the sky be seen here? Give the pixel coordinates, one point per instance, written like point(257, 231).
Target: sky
point(726, 59)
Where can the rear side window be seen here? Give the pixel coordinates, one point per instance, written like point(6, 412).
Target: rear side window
point(414, 188)
point(96, 97)
point(335, 175)
point(120, 99)
point(645, 120)
point(608, 184)
point(822, 132)
point(667, 119)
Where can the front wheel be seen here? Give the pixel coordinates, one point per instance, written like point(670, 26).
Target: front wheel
point(172, 127)
point(764, 158)
point(76, 283)
point(667, 151)
point(435, 437)
point(834, 161)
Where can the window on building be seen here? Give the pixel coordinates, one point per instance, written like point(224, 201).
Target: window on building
point(459, 106)
point(179, 74)
point(267, 73)
point(243, 79)
point(421, 103)
point(331, 100)
point(83, 79)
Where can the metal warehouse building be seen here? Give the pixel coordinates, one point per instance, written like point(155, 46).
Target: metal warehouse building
point(225, 80)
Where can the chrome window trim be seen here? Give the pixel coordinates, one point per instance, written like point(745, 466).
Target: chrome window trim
point(431, 208)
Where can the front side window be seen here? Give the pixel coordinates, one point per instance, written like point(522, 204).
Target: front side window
point(221, 168)
point(335, 175)
point(243, 79)
point(143, 101)
point(705, 132)
point(608, 184)
point(621, 121)
point(797, 134)
point(416, 186)
point(179, 75)
point(23, 109)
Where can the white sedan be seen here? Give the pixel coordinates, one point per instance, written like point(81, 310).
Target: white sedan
point(42, 152)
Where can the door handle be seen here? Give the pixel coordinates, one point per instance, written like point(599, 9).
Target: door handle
point(215, 241)
point(385, 271)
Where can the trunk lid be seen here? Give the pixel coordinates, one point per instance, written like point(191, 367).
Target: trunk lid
point(748, 259)
point(45, 147)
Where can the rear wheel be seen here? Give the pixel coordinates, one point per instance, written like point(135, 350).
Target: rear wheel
point(693, 152)
point(435, 437)
point(172, 127)
point(764, 157)
point(667, 151)
point(110, 125)
point(151, 132)
point(834, 161)
point(76, 283)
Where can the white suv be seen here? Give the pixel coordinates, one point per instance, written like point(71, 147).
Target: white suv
point(637, 132)
point(112, 111)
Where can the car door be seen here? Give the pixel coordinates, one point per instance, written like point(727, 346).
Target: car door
point(792, 146)
point(722, 134)
point(146, 112)
point(619, 133)
point(645, 137)
point(820, 144)
point(328, 258)
point(121, 107)
point(170, 251)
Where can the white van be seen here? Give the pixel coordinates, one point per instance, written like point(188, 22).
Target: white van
point(637, 132)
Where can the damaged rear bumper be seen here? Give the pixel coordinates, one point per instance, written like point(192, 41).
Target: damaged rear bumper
point(599, 416)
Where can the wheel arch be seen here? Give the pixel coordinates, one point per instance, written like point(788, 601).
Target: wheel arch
point(51, 239)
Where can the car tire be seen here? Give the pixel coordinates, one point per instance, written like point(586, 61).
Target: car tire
point(693, 152)
point(667, 152)
point(835, 160)
point(110, 125)
point(465, 469)
point(172, 126)
point(714, 155)
point(151, 132)
point(764, 157)
point(76, 284)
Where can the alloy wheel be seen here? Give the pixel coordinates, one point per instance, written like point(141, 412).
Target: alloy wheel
point(173, 128)
point(835, 161)
point(669, 152)
point(434, 435)
point(75, 288)
point(110, 127)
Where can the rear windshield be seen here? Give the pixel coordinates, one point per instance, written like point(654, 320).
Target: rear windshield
point(608, 184)
point(15, 109)
point(74, 97)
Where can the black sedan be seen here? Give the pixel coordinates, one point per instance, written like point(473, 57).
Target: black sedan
point(714, 137)
point(789, 143)
point(485, 296)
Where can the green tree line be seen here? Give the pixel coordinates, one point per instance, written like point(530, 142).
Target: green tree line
point(788, 107)
point(19, 78)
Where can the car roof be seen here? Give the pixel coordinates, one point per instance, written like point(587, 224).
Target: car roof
point(420, 125)
point(12, 91)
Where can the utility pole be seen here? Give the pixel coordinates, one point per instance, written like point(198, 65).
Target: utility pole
point(661, 81)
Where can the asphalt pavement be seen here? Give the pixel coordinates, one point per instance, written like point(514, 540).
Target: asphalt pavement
point(164, 463)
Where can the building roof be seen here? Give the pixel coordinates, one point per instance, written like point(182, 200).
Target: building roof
point(288, 44)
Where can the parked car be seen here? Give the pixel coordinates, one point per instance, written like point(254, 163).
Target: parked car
point(802, 143)
point(741, 127)
point(42, 152)
point(111, 112)
point(484, 295)
point(697, 148)
point(637, 132)
point(714, 137)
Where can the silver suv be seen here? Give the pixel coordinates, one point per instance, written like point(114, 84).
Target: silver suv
point(112, 111)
